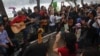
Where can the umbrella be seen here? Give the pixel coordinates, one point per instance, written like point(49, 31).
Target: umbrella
point(12, 8)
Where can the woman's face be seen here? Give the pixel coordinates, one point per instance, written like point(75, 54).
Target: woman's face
point(64, 8)
point(52, 11)
point(5, 18)
point(83, 22)
point(63, 16)
point(70, 22)
point(98, 10)
point(90, 14)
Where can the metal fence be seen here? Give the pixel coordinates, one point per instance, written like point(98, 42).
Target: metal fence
point(45, 38)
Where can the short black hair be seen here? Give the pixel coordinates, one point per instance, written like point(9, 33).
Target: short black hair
point(36, 50)
point(35, 7)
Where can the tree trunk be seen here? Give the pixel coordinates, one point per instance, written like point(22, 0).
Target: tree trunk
point(74, 1)
point(38, 4)
point(82, 2)
point(2, 9)
point(51, 2)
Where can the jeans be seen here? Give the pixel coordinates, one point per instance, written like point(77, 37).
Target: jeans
point(3, 51)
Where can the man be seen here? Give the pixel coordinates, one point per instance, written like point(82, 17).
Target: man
point(35, 15)
point(21, 17)
point(4, 40)
point(35, 25)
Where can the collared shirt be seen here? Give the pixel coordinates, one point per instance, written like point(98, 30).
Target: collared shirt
point(3, 37)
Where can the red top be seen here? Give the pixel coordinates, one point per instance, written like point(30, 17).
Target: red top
point(18, 19)
point(65, 52)
point(42, 13)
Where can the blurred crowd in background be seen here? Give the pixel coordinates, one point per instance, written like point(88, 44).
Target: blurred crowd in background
point(78, 27)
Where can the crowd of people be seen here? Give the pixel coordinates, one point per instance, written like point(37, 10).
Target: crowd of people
point(78, 27)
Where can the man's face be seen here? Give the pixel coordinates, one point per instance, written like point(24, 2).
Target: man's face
point(36, 10)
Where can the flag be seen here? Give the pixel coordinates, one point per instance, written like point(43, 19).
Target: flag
point(54, 4)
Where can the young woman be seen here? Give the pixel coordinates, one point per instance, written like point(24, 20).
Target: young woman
point(70, 47)
point(64, 23)
point(6, 23)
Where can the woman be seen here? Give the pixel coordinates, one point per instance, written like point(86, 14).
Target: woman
point(70, 47)
point(64, 23)
point(6, 24)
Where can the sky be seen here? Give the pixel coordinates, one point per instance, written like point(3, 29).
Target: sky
point(25, 3)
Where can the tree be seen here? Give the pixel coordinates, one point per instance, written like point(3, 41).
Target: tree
point(37, 1)
point(2, 9)
point(74, 1)
point(82, 2)
point(38, 4)
point(51, 2)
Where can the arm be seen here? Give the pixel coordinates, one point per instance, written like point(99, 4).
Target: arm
point(8, 39)
point(46, 54)
point(4, 45)
point(55, 46)
point(97, 21)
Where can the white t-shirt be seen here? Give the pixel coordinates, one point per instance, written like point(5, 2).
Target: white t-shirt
point(95, 24)
point(89, 21)
point(52, 20)
point(66, 26)
point(58, 19)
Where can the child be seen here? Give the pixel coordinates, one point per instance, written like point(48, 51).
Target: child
point(4, 40)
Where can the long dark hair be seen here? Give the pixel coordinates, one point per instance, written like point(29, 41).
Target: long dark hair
point(70, 40)
point(4, 20)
